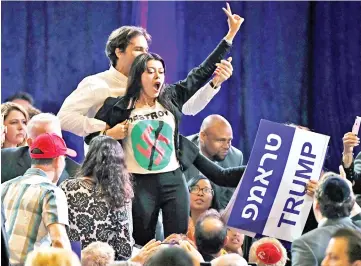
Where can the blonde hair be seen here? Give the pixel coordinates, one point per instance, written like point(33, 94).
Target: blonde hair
point(7, 107)
point(33, 111)
point(49, 256)
point(97, 254)
point(253, 256)
point(41, 120)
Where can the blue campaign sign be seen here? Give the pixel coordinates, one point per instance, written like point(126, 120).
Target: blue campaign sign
point(271, 198)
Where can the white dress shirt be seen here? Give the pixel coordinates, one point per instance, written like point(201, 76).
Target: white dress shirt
point(79, 108)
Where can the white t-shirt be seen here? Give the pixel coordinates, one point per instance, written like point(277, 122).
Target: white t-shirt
point(149, 147)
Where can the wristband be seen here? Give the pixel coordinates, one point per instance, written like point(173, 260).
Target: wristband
point(103, 132)
point(212, 85)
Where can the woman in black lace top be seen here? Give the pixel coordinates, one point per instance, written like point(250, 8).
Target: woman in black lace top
point(99, 199)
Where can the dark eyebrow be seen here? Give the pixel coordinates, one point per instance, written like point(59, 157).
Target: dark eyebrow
point(141, 47)
point(156, 68)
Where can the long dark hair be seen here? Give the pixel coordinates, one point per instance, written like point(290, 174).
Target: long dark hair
point(138, 67)
point(134, 86)
point(193, 181)
point(105, 163)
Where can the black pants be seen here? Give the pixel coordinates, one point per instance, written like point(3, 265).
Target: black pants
point(152, 192)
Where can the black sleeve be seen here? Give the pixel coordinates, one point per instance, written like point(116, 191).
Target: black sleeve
point(228, 177)
point(88, 138)
point(354, 177)
point(183, 90)
point(103, 114)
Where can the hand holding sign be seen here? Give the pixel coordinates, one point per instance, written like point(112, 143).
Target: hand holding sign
point(350, 140)
point(311, 187)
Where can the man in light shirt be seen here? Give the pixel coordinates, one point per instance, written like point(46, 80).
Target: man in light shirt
point(123, 45)
point(36, 210)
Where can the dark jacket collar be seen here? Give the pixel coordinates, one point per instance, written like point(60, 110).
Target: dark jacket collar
point(24, 159)
point(122, 103)
point(329, 222)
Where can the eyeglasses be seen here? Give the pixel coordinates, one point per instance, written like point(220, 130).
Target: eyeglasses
point(205, 190)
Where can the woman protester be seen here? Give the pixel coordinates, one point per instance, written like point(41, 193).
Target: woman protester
point(146, 121)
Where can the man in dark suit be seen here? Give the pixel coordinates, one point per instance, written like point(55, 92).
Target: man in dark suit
point(15, 161)
point(214, 140)
point(332, 206)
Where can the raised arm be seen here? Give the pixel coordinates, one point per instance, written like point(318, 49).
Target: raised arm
point(197, 77)
point(221, 176)
point(350, 141)
point(227, 177)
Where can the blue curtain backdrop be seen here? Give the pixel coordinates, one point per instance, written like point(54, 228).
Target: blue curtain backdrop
point(294, 62)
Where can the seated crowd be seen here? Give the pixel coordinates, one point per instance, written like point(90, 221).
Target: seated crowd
point(54, 203)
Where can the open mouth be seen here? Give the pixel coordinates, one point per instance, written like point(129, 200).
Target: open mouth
point(157, 85)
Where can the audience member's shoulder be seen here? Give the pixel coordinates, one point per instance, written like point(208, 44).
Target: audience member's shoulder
point(236, 151)
point(313, 234)
point(77, 184)
point(69, 183)
point(71, 162)
point(53, 191)
point(17, 150)
point(97, 79)
point(193, 138)
point(358, 223)
point(235, 154)
point(96, 76)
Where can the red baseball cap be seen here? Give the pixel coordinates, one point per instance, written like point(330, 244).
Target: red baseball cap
point(49, 146)
point(268, 253)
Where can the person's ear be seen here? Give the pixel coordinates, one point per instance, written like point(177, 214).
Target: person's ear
point(56, 163)
point(202, 136)
point(226, 240)
point(118, 52)
point(29, 141)
point(316, 210)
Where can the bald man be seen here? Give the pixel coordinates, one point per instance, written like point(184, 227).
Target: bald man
point(15, 161)
point(229, 260)
point(215, 142)
point(210, 235)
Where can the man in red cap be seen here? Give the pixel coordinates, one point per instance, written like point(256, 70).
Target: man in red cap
point(268, 251)
point(36, 209)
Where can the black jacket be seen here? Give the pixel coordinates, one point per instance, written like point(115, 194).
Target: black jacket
point(15, 162)
point(117, 110)
point(354, 176)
